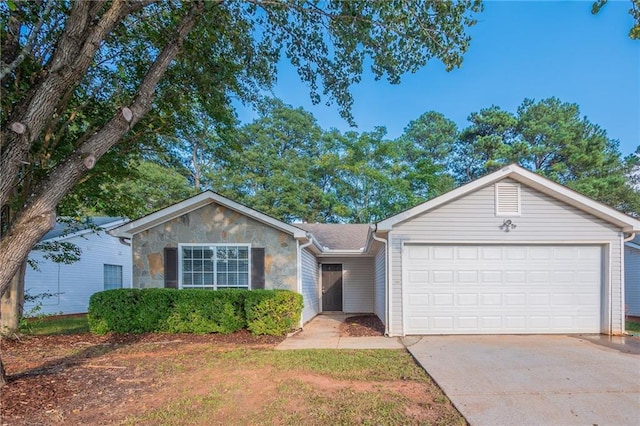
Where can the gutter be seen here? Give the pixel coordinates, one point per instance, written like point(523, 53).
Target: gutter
point(373, 229)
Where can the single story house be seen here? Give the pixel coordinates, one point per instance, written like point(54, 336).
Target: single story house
point(509, 253)
point(632, 276)
point(104, 263)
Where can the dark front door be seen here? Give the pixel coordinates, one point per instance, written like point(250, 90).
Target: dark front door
point(331, 287)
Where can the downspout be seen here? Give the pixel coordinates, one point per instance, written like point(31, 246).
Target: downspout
point(299, 266)
point(622, 277)
point(374, 228)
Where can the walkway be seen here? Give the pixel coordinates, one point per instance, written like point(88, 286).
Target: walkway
point(323, 332)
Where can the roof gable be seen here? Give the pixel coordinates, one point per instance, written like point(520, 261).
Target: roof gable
point(533, 180)
point(194, 203)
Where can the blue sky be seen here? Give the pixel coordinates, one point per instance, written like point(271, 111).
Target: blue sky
point(518, 50)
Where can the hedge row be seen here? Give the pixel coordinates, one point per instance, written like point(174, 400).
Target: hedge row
point(273, 312)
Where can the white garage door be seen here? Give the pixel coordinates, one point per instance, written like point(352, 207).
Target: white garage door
point(487, 289)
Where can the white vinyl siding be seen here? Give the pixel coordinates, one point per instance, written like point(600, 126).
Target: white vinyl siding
point(357, 283)
point(310, 288)
point(545, 219)
point(379, 291)
point(72, 285)
point(632, 280)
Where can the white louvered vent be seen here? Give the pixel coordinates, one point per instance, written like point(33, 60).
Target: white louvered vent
point(507, 199)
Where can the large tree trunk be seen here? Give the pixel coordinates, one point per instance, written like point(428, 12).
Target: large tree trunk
point(12, 302)
point(37, 216)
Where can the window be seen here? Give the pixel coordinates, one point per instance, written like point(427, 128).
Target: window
point(214, 266)
point(507, 199)
point(112, 276)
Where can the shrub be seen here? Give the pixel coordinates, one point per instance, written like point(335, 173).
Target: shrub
point(198, 311)
point(113, 310)
point(273, 312)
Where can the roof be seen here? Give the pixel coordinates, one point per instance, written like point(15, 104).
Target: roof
point(190, 204)
point(533, 180)
point(64, 229)
point(334, 236)
point(635, 243)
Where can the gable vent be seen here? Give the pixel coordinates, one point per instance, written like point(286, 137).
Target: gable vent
point(507, 199)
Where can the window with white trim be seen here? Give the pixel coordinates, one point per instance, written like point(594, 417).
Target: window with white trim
point(214, 266)
point(507, 199)
point(112, 276)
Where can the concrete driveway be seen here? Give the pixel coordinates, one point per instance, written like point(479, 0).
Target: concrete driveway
point(536, 380)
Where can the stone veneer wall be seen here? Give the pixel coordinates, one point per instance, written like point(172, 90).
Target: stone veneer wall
point(214, 224)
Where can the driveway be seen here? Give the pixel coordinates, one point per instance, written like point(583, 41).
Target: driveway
point(536, 380)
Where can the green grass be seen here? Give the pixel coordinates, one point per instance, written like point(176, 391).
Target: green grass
point(296, 402)
point(56, 325)
point(633, 327)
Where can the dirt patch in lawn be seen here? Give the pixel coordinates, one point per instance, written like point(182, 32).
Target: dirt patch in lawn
point(197, 379)
point(362, 325)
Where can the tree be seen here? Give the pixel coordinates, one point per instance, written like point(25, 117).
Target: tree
point(548, 137)
point(634, 32)
point(427, 144)
point(277, 167)
point(133, 55)
point(370, 177)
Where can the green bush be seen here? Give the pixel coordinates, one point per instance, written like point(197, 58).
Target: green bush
point(212, 312)
point(273, 312)
point(193, 311)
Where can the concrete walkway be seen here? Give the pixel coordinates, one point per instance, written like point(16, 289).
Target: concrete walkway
point(323, 332)
point(536, 380)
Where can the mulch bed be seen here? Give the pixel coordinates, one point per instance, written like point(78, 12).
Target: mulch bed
point(45, 372)
point(362, 326)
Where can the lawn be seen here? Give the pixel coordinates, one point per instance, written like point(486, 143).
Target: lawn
point(56, 325)
point(176, 379)
point(633, 327)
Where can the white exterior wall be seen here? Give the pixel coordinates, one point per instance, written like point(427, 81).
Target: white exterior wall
point(632, 280)
point(379, 283)
point(472, 219)
point(310, 293)
point(76, 282)
point(357, 283)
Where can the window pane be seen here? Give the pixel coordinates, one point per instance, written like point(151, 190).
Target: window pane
point(197, 279)
point(197, 265)
point(208, 279)
point(243, 253)
point(222, 279)
point(243, 266)
point(186, 279)
point(112, 276)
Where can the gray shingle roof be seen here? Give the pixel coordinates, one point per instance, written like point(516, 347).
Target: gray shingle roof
point(337, 236)
point(63, 228)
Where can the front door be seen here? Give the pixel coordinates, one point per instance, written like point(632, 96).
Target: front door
point(332, 287)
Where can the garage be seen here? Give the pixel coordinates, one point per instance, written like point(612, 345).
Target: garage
point(502, 288)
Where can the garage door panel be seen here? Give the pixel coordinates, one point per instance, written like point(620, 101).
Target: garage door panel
point(502, 289)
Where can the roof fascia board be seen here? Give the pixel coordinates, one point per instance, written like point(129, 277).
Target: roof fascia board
point(542, 184)
point(106, 227)
point(573, 198)
point(196, 202)
point(632, 245)
point(387, 224)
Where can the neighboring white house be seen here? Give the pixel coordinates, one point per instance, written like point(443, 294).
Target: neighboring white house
point(104, 263)
point(632, 276)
